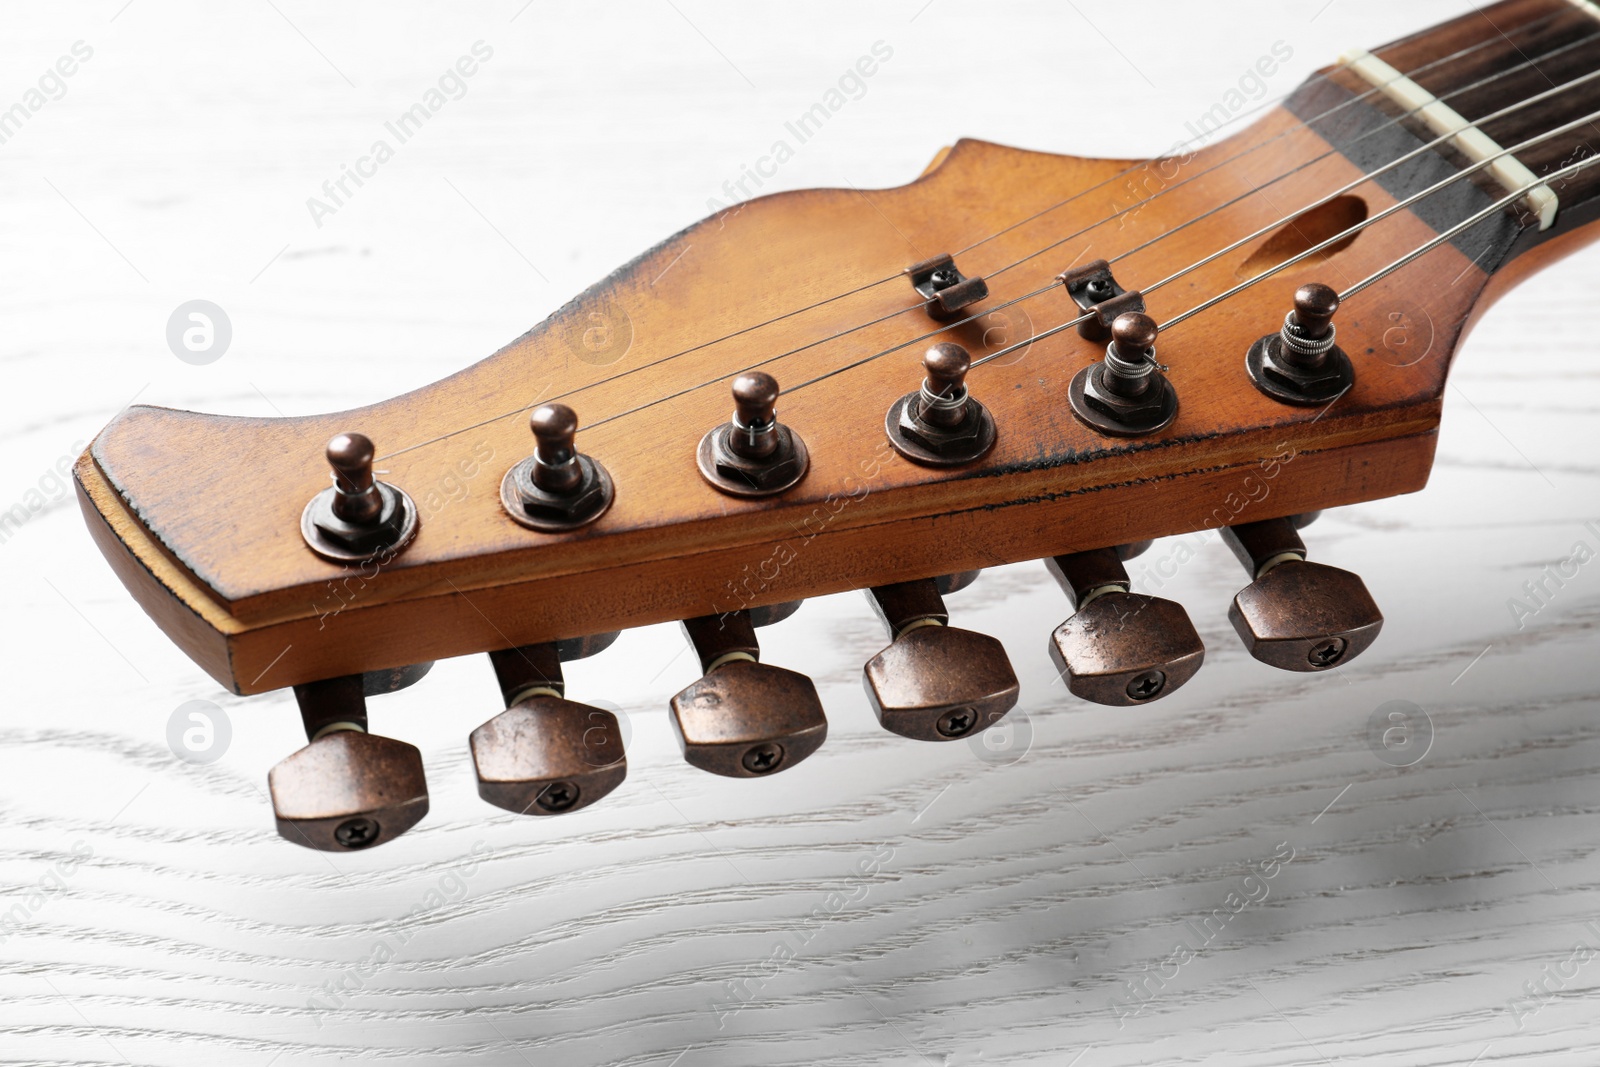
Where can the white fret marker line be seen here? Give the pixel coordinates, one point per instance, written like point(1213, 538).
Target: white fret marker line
point(1444, 120)
point(1587, 7)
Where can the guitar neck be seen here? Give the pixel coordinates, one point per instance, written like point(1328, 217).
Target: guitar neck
point(1513, 85)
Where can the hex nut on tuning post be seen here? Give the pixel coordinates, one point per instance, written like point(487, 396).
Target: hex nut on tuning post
point(347, 790)
point(557, 488)
point(1301, 364)
point(1119, 648)
point(358, 518)
point(941, 424)
point(1125, 394)
point(753, 454)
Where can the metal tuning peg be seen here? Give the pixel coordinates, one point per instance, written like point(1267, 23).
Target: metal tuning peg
point(1120, 647)
point(744, 719)
point(1126, 394)
point(753, 454)
point(945, 290)
point(557, 488)
point(347, 789)
point(1300, 364)
point(934, 682)
point(545, 754)
point(357, 518)
point(1297, 615)
point(941, 425)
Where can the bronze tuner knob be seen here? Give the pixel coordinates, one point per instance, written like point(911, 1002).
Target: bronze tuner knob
point(1300, 363)
point(358, 518)
point(744, 718)
point(557, 488)
point(753, 454)
point(941, 424)
point(1297, 615)
point(348, 789)
point(546, 755)
point(1119, 648)
point(1126, 394)
point(934, 682)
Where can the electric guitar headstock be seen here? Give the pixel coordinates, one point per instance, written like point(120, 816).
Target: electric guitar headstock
point(1017, 356)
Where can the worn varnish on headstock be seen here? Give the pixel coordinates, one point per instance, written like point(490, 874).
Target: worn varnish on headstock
point(935, 419)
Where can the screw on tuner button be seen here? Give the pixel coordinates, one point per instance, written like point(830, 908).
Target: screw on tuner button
point(941, 425)
point(557, 488)
point(1301, 364)
point(753, 454)
point(358, 518)
point(1297, 615)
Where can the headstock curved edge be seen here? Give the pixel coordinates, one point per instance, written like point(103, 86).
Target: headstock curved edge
point(232, 583)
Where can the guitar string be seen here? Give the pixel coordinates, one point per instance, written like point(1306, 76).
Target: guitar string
point(1346, 233)
point(1323, 77)
point(1474, 168)
point(1341, 65)
point(1466, 224)
point(1480, 83)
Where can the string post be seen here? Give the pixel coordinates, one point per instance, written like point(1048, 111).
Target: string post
point(941, 424)
point(1301, 363)
point(557, 488)
point(1126, 394)
point(358, 517)
point(753, 454)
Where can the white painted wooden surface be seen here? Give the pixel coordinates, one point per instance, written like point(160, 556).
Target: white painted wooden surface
point(886, 903)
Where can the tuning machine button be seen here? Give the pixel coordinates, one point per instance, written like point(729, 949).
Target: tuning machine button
point(347, 789)
point(1119, 648)
point(557, 488)
point(1297, 615)
point(934, 682)
point(358, 518)
point(545, 754)
point(744, 719)
point(945, 290)
point(753, 454)
point(1301, 364)
point(941, 424)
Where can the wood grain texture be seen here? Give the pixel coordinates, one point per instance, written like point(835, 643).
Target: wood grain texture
point(863, 515)
point(940, 907)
